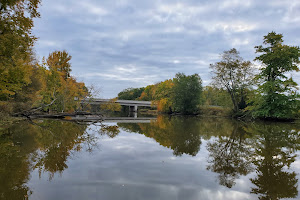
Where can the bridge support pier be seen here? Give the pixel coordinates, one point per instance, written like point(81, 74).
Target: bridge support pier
point(133, 108)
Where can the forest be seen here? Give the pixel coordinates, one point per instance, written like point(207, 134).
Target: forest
point(267, 91)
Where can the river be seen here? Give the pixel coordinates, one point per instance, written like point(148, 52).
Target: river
point(188, 158)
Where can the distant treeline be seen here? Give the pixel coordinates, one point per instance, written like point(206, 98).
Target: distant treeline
point(164, 96)
point(180, 94)
point(267, 91)
point(24, 82)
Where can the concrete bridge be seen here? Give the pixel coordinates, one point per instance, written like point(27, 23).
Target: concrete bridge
point(133, 105)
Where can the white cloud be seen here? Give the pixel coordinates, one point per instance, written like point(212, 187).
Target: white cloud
point(176, 61)
point(293, 12)
point(227, 26)
point(129, 73)
point(49, 43)
point(91, 8)
point(230, 4)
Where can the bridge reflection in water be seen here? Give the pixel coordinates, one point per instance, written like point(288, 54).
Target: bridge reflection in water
point(90, 118)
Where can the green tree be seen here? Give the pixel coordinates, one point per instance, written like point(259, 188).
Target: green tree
point(30, 95)
point(186, 93)
point(235, 75)
point(216, 97)
point(278, 93)
point(16, 42)
point(131, 93)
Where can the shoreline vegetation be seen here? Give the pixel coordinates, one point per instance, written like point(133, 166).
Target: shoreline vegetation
point(266, 92)
point(238, 89)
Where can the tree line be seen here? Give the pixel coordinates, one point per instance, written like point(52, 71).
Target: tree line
point(180, 94)
point(26, 83)
point(267, 91)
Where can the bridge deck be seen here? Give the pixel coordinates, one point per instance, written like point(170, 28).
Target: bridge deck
point(121, 102)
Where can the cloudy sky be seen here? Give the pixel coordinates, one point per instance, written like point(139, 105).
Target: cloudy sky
point(132, 43)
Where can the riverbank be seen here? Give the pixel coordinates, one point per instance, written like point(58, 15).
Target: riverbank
point(210, 111)
point(204, 111)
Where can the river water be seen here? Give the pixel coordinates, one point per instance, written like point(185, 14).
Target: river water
point(188, 158)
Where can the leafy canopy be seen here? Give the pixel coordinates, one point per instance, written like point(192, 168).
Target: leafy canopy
point(235, 75)
point(16, 42)
point(186, 93)
point(60, 61)
point(278, 93)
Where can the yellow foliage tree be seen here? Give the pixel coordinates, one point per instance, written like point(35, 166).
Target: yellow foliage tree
point(61, 88)
point(111, 105)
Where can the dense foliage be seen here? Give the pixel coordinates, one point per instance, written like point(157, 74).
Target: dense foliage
point(181, 94)
point(16, 42)
point(186, 93)
point(61, 88)
point(277, 95)
point(216, 97)
point(24, 83)
point(130, 93)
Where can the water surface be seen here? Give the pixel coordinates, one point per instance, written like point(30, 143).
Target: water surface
point(168, 158)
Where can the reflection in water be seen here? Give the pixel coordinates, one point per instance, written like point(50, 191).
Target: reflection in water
point(235, 149)
point(261, 152)
point(230, 156)
point(44, 145)
point(178, 133)
point(270, 151)
point(275, 147)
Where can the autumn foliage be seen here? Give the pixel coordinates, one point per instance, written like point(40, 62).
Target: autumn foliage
point(181, 94)
point(24, 82)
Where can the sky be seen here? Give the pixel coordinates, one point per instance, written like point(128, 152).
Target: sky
point(132, 43)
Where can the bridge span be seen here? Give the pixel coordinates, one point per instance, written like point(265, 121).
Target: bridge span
point(133, 105)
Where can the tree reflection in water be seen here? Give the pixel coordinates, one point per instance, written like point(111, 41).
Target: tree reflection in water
point(234, 149)
point(45, 145)
point(267, 148)
point(275, 147)
point(230, 156)
point(180, 134)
